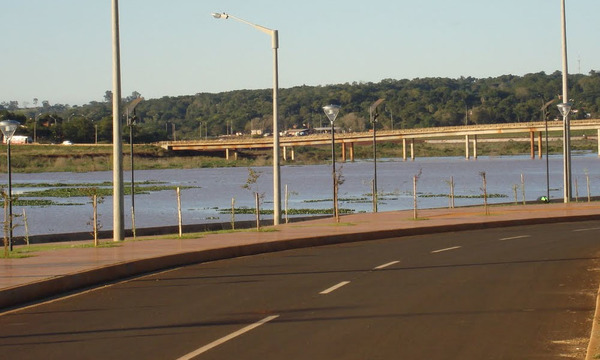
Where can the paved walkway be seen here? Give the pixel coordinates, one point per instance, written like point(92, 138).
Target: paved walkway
point(50, 273)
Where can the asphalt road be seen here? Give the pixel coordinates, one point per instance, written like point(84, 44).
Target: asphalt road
point(513, 293)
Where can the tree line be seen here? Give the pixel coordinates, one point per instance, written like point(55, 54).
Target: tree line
point(417, 103)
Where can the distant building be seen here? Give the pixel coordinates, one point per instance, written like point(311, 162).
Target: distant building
point(19, 139)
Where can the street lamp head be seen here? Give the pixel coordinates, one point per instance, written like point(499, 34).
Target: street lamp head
point(8, 128)
point(564, 108)
point(220, 15)
point(331, 111)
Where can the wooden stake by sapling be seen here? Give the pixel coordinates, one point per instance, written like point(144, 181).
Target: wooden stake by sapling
point(96, 226)
point(257, 201)
point(415, 180)
point(587, 179)
point(252, 185)
point(26, 227)
point(180, 222)
point(133, 221)
point(485, 203)
point(523, 188)
point(451, 195)
point(287, 220)
point(95, 218)
point(415, 212)
point(232, 213)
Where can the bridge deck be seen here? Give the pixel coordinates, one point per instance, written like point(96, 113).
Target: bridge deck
point(223, 144)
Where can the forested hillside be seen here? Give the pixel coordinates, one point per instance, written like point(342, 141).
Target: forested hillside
point(413, 103)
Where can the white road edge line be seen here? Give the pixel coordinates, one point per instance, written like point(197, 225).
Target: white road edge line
point(97, 288)
point(590, 229)
point(447, 249)
point(386, 265)
point(515, 237)
point(227, 338)
point(334, 288)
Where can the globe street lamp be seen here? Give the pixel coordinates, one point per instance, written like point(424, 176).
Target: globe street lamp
point(276, 176)
point(545, 119)
point(332, 112)
point(131, 122)
point(565, 109)
point(373, 115)
point(8, 128)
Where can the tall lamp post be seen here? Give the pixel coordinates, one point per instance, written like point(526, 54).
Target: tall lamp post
point(131, 122)
point(8, 128)
point(332, 112)
point(118, 197)
point(545, 119)
point(276, 176)
point(565, 109)
point(373, 115)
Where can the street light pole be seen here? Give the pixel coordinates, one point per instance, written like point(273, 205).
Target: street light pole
point(545, 119)
point(373, 115)
point(35, 127)
point(276, 176)
point(565, 109)
point(131, 122)
point(332, 112)
point(8, 128)
point(118, 206)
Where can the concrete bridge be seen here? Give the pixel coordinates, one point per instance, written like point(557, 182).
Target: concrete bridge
point(406, 136)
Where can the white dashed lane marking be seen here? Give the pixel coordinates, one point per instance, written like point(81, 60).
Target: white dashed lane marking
point(446, 249)
point(515, 237)
point(334, 288)
point(227, 338)
point(386, 265)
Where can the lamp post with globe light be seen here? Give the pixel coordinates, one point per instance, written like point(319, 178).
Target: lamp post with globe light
point(332, 112)
point(374, 114)
point(8, 128)
point(565, 109)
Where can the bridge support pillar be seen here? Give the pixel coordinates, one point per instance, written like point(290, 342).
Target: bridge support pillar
point(599, 143)
point(467, 155)
point(412, 149)
point(285, 153)
point(532, 143)
point(404, 149)
point(343, 152)
point(352, 151)
point(474, 146)
point(228, 153)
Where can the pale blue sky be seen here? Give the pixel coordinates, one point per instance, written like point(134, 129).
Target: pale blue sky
point(60, 50)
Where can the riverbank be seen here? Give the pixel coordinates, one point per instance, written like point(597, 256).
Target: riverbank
point(36, 158)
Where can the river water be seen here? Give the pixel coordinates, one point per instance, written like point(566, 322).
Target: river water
point(310, 186)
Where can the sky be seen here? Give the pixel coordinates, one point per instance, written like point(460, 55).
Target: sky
point(61, 50)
